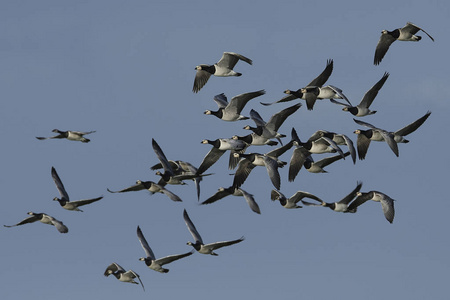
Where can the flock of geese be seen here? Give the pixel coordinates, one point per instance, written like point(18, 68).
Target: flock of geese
point(243, 162)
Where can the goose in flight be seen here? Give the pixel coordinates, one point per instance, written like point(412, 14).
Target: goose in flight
point(43, 218)
point(406, 33)
point(184, 171)
point(238, 192)
point(341, 205)
point(231, 111)
point(373, 134)
point(198, 242)
point(69, 134)
point(122, 275)
point(314, 90)
point(362, 109)
point(292, 201)
point(269, 130)
point(223, 68)
point(269, 160)
point(219, 147)
point(387, 203)
point(150, 186)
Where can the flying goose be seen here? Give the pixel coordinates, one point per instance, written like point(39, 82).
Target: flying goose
point(314, 90)
point(406, 33)
point(223, 68)
point(184, 171)
point(255, 140)
point(69, 134)
point(317, 145)
point(122, 275)
point(387, 203)
point(373, 134)
point(343, 204)
point(150, 259)
point(231, 111)
point(313, 93)
point(64, 200)
point(339, 139)
point(362, 109)
point(292, 201)
point(150, 186)
point(269, 160)
point(224, 192)
point(219, 147)
point(301, 157)
point(198, 242)
point(43, 218)
point(269, 130)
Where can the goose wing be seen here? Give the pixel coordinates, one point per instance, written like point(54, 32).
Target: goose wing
point(329, 160)
point(272, 170)
point(339, 92)
point(30, 219)
point(370, 95)
point(171, 258)
point(210, 158)
point(221, 100)
point(323, 77)
point(351, 147)
point(299, 195)
point(133, 274)
point(191, 227)
point(169, 194)
point(221, 193)
point(139, 186)
point(230, 59)
point(201, 78)
point(217, 245)
point(352, 194)
point(413, 126)
point(86, 201)
point(362, 145)
point(277, 119)
point(250, 201)
point(162, 158)
point(284, 99)
point(112, 268)
point(387, 204)
point(237, 103)
point(244, 168)
point(413, 29)
point(59, 225)
point(298, 158)
point(360, 200)
point(383, 45)
point(59, 185)
point(144, 244)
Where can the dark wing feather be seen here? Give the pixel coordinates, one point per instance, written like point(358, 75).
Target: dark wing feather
point(323, 77)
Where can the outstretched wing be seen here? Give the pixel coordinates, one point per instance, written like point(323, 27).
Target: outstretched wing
point(59, 185)
point(383, 45)
point(112, 268)
point(413, 126)
point(230, 59)
point(144, 244)
point(323, 77)
point(191, 227)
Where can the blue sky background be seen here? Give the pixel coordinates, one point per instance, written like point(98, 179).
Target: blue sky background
point(126, 69)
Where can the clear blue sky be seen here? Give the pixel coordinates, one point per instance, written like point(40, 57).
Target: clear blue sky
point(126, 69)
